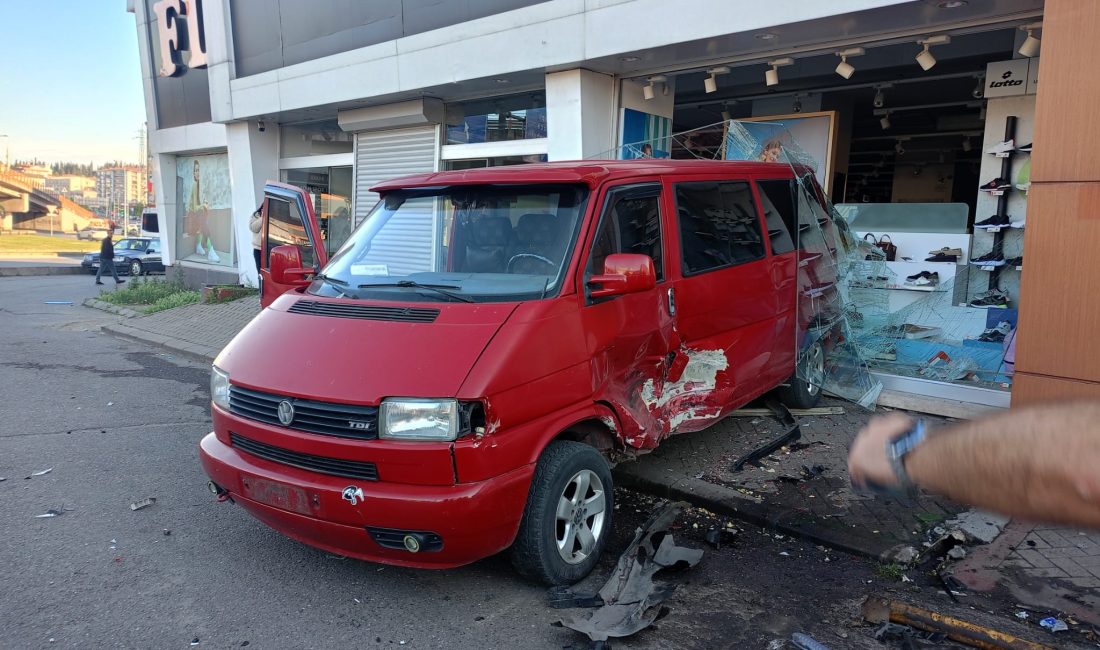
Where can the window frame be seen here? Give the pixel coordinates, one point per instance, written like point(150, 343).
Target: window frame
point(760, 224)
point(792, 190)
point(306, 227)
point(644, 188)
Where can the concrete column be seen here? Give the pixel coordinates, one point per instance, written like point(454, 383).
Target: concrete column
point(253, 160)
point(580, 114)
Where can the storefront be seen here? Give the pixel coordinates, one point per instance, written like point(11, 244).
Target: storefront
point(894, 102)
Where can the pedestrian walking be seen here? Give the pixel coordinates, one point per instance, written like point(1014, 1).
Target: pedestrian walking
point(254, 224)
point(107, 259)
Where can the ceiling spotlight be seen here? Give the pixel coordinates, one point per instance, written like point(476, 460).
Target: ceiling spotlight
point(979, 89)
point(844, 68)
point(924, 57)
point(953, 4)
point(647, 90)
point(880, 98)
point(1030, 46)
point(710, 84)
point(797, 106)
point(764, 36)
point(884, 122)
point(771, 76)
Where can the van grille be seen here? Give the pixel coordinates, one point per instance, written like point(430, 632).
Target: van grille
point(365, 312)
point(320, 464)
point(325, 418)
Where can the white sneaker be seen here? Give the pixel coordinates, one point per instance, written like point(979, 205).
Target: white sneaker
point(1018, 224)
point(1003, 147)
point(199, 250)
point(1023, 187)
point(212, 255)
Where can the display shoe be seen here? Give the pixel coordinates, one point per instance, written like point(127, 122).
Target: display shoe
point(1019, 224)
point(923, 279)
point(992, 298)
point(212, 255)
point(996, 221)
point(989, 259)
point(995, 185)
point(996, 334)
point(911, 331)
point(954, 259)
point(1023, 187)
point(199, 250)
point(951, 252)
point(1025, 148)
point(1002, 147)
point(1014, 261)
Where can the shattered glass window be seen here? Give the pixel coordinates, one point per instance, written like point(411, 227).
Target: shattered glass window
point(719, 225)
point(631, 224)
point(777, 200)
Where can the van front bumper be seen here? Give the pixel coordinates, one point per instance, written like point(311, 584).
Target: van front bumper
point(473, 520)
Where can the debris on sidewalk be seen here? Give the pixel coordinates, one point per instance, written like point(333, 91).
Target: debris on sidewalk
point(807, 642)
point(1054, 624)
point(41, 472)
point(631, 599)
point(57, 302)
point(144, 503)
point(820, 410)
point(717, 536)
point(792, 433)
point(880, 610)
point(50, 513)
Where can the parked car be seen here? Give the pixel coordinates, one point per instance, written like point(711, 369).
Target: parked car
point(457, 379)
point(133, 256)
point(90, 233)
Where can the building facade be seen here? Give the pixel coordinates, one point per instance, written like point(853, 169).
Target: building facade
point(119, 187)
point(896, 103)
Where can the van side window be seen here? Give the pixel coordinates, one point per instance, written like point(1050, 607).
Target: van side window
point(285, 226)
point(631, 223)
point(777, 201)
point(719, 225)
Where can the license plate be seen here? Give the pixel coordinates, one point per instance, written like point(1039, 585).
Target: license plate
point(278, 495)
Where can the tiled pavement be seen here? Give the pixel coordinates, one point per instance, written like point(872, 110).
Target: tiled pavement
point(198, 330)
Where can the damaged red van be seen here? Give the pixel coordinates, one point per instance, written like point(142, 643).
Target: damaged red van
point(457, 377)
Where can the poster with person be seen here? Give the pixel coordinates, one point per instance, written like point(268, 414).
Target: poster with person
point(805, 139)
point(204, 205)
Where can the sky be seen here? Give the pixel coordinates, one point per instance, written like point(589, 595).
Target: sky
point(70, 81)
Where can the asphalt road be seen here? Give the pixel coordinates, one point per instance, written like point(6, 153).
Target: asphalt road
point(116, 422)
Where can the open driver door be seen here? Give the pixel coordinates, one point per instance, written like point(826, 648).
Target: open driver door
point(292, 247)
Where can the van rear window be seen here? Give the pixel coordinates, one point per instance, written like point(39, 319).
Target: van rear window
point(719, 225)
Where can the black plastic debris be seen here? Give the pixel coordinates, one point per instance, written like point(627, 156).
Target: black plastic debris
point(718, 536)
point(566, 598)
point(792, 434)
point(632, 600)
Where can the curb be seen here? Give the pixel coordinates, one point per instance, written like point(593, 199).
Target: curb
point(19, 271)
point(194, 352)
point(114, 309)
point(717, 499)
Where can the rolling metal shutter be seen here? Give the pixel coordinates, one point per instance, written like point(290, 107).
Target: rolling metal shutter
point(381, 155)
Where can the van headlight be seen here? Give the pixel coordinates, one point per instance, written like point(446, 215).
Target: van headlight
point(417, 419)
point(219, 387)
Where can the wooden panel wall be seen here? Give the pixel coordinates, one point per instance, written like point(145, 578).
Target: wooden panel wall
point(1058, 342)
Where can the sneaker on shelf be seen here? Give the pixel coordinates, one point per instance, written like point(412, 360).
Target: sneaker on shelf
point(1002, 147)
point(923, 279)
point(1018, 224)
point(997, 184)
point(1023, 187)
point(199, 250)
point(1026, 148)
point(911, 331)
point(939, 257)
point(950, 252)
point(989, 259)
point(1014, 261)
point(996, 221)
point(996, 334)
point(992, 298)
point(212, 255)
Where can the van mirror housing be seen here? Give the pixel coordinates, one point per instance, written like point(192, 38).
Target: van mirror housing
point(285, 264)
point(623, 273)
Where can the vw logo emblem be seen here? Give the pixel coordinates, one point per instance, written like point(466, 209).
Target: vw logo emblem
point(286, 412)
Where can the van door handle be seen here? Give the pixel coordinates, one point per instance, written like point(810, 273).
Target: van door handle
point(671, 302)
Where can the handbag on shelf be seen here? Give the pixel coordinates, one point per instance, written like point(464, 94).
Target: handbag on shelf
point(870, 237)
point(888, 247)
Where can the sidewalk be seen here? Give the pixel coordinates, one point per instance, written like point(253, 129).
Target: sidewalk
point(196, 330)
point(23, 264)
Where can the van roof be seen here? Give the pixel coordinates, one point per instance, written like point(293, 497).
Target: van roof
point(588, 172)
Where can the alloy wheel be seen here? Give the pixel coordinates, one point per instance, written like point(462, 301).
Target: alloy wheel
point(815, 369)
point(580, 516)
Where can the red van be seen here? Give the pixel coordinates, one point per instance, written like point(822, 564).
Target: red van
point(457, 377)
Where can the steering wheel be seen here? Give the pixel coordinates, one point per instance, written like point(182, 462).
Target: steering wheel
point(540, 258)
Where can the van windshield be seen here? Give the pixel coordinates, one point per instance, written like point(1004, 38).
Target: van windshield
point(479, 243)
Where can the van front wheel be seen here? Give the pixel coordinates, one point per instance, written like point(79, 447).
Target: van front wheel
point(568, 516)
point(803, 389)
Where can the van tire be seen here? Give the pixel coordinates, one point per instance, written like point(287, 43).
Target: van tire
point(560, 471)
point(800, 392)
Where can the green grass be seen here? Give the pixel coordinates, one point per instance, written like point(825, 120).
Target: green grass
point(890, 572)
point(40, 244)
point(142, 292)
point(173, 300)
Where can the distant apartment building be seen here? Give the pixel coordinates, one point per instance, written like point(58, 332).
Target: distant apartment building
point(70, 183)
point(34, 171)
point(120, 186)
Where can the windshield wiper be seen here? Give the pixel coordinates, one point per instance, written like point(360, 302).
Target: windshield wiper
point(338, 282)
point(413, 284)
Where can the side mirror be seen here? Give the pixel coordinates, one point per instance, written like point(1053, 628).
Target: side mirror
point(285, 264)
point(623, 273)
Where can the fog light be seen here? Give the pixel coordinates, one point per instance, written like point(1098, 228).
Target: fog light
point(412, 544)
point(213, 488)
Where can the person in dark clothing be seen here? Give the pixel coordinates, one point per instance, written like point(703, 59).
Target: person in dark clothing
point(107, 259)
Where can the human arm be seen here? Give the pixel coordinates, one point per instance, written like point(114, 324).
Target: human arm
point(254, 222)
point(1040, 463)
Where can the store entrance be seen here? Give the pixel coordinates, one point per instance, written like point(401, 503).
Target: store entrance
point(329, 188)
